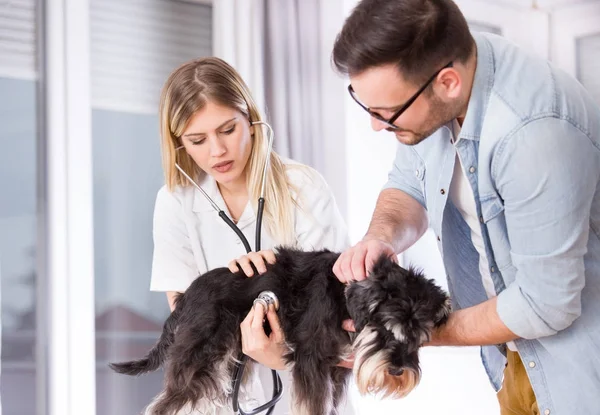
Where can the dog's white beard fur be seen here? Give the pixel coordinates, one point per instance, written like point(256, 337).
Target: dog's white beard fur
point(371, 373)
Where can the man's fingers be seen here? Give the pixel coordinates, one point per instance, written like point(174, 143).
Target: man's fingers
point(345, 268)
point(372, 256)
point(358, 264)
point(341, 268)
point(337, 268)
point(355, 263)
point(348, 325)
point(348, 364)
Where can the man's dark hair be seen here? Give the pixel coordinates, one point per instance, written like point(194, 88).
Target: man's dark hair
point(420, 36)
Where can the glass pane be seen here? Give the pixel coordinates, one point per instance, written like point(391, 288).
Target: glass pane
point(135, 45)
point(588, 64)
point(18, 207)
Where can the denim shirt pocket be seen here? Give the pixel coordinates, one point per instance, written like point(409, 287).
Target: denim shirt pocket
point(420, 174)
point(491, 207)
point(492, 214)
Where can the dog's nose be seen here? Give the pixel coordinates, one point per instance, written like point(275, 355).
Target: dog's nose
point(395, 371)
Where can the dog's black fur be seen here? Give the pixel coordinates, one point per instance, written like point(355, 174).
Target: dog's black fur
point(394, 311)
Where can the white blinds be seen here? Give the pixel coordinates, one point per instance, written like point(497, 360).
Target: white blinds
point(135, 44)
point(18, 39)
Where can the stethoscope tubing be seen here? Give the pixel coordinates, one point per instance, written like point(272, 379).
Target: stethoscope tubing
point(239, 372)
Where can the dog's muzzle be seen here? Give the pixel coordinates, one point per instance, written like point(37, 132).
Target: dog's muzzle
point(265, 298)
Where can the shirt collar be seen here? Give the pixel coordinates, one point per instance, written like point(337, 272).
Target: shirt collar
point(209, 185)
point(481, 90)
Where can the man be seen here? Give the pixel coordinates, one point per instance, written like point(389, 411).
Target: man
point(500, 155)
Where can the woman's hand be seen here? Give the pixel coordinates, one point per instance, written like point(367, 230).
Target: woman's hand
point(258, 259)
point(266, 350)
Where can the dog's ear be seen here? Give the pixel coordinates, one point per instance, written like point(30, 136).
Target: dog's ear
point(383, 268)
point(362, 299)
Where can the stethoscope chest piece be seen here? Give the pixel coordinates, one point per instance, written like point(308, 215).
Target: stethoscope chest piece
point(266, 298)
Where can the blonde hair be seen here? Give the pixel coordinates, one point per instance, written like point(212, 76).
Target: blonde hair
point(186, 91)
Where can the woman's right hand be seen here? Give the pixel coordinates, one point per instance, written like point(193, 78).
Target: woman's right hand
point(268, 350)
point(258, 259)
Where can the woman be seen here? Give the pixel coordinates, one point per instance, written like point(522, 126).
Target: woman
point(206, 116)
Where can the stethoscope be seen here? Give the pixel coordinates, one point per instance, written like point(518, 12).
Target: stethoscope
point(266, 297)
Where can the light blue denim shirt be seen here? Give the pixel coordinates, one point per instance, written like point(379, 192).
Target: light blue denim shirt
point(530, 147)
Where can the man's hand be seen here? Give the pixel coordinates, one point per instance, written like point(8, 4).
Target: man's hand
point(258, 259)
point(348, 364)
point(266, 350)
point(355, 263)
point(479, 325)
point(348, 325)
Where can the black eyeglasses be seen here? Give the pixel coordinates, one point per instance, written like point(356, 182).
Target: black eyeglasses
point(390, 122)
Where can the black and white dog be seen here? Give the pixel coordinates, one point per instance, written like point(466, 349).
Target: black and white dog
point(394, 311)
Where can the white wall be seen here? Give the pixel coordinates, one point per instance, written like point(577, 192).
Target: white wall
point(368, 158)
point(334, 127)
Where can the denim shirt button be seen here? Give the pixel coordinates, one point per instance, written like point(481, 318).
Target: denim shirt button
point(481, 219)
point(547, 412)
point(493, 269)
point(532, 365)
point(472, 169)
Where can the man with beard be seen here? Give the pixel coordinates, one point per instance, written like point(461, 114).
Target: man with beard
point(499, 155)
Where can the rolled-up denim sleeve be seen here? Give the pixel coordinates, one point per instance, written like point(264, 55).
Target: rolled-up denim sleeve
point(407, 174)
point(547, 174)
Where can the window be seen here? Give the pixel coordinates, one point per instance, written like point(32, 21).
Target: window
point(134, 47)
point(21, 367)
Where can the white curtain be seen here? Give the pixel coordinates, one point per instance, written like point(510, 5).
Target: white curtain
point(293, 77)
point(238, 33)
point(277, 47)
point(282, 48)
